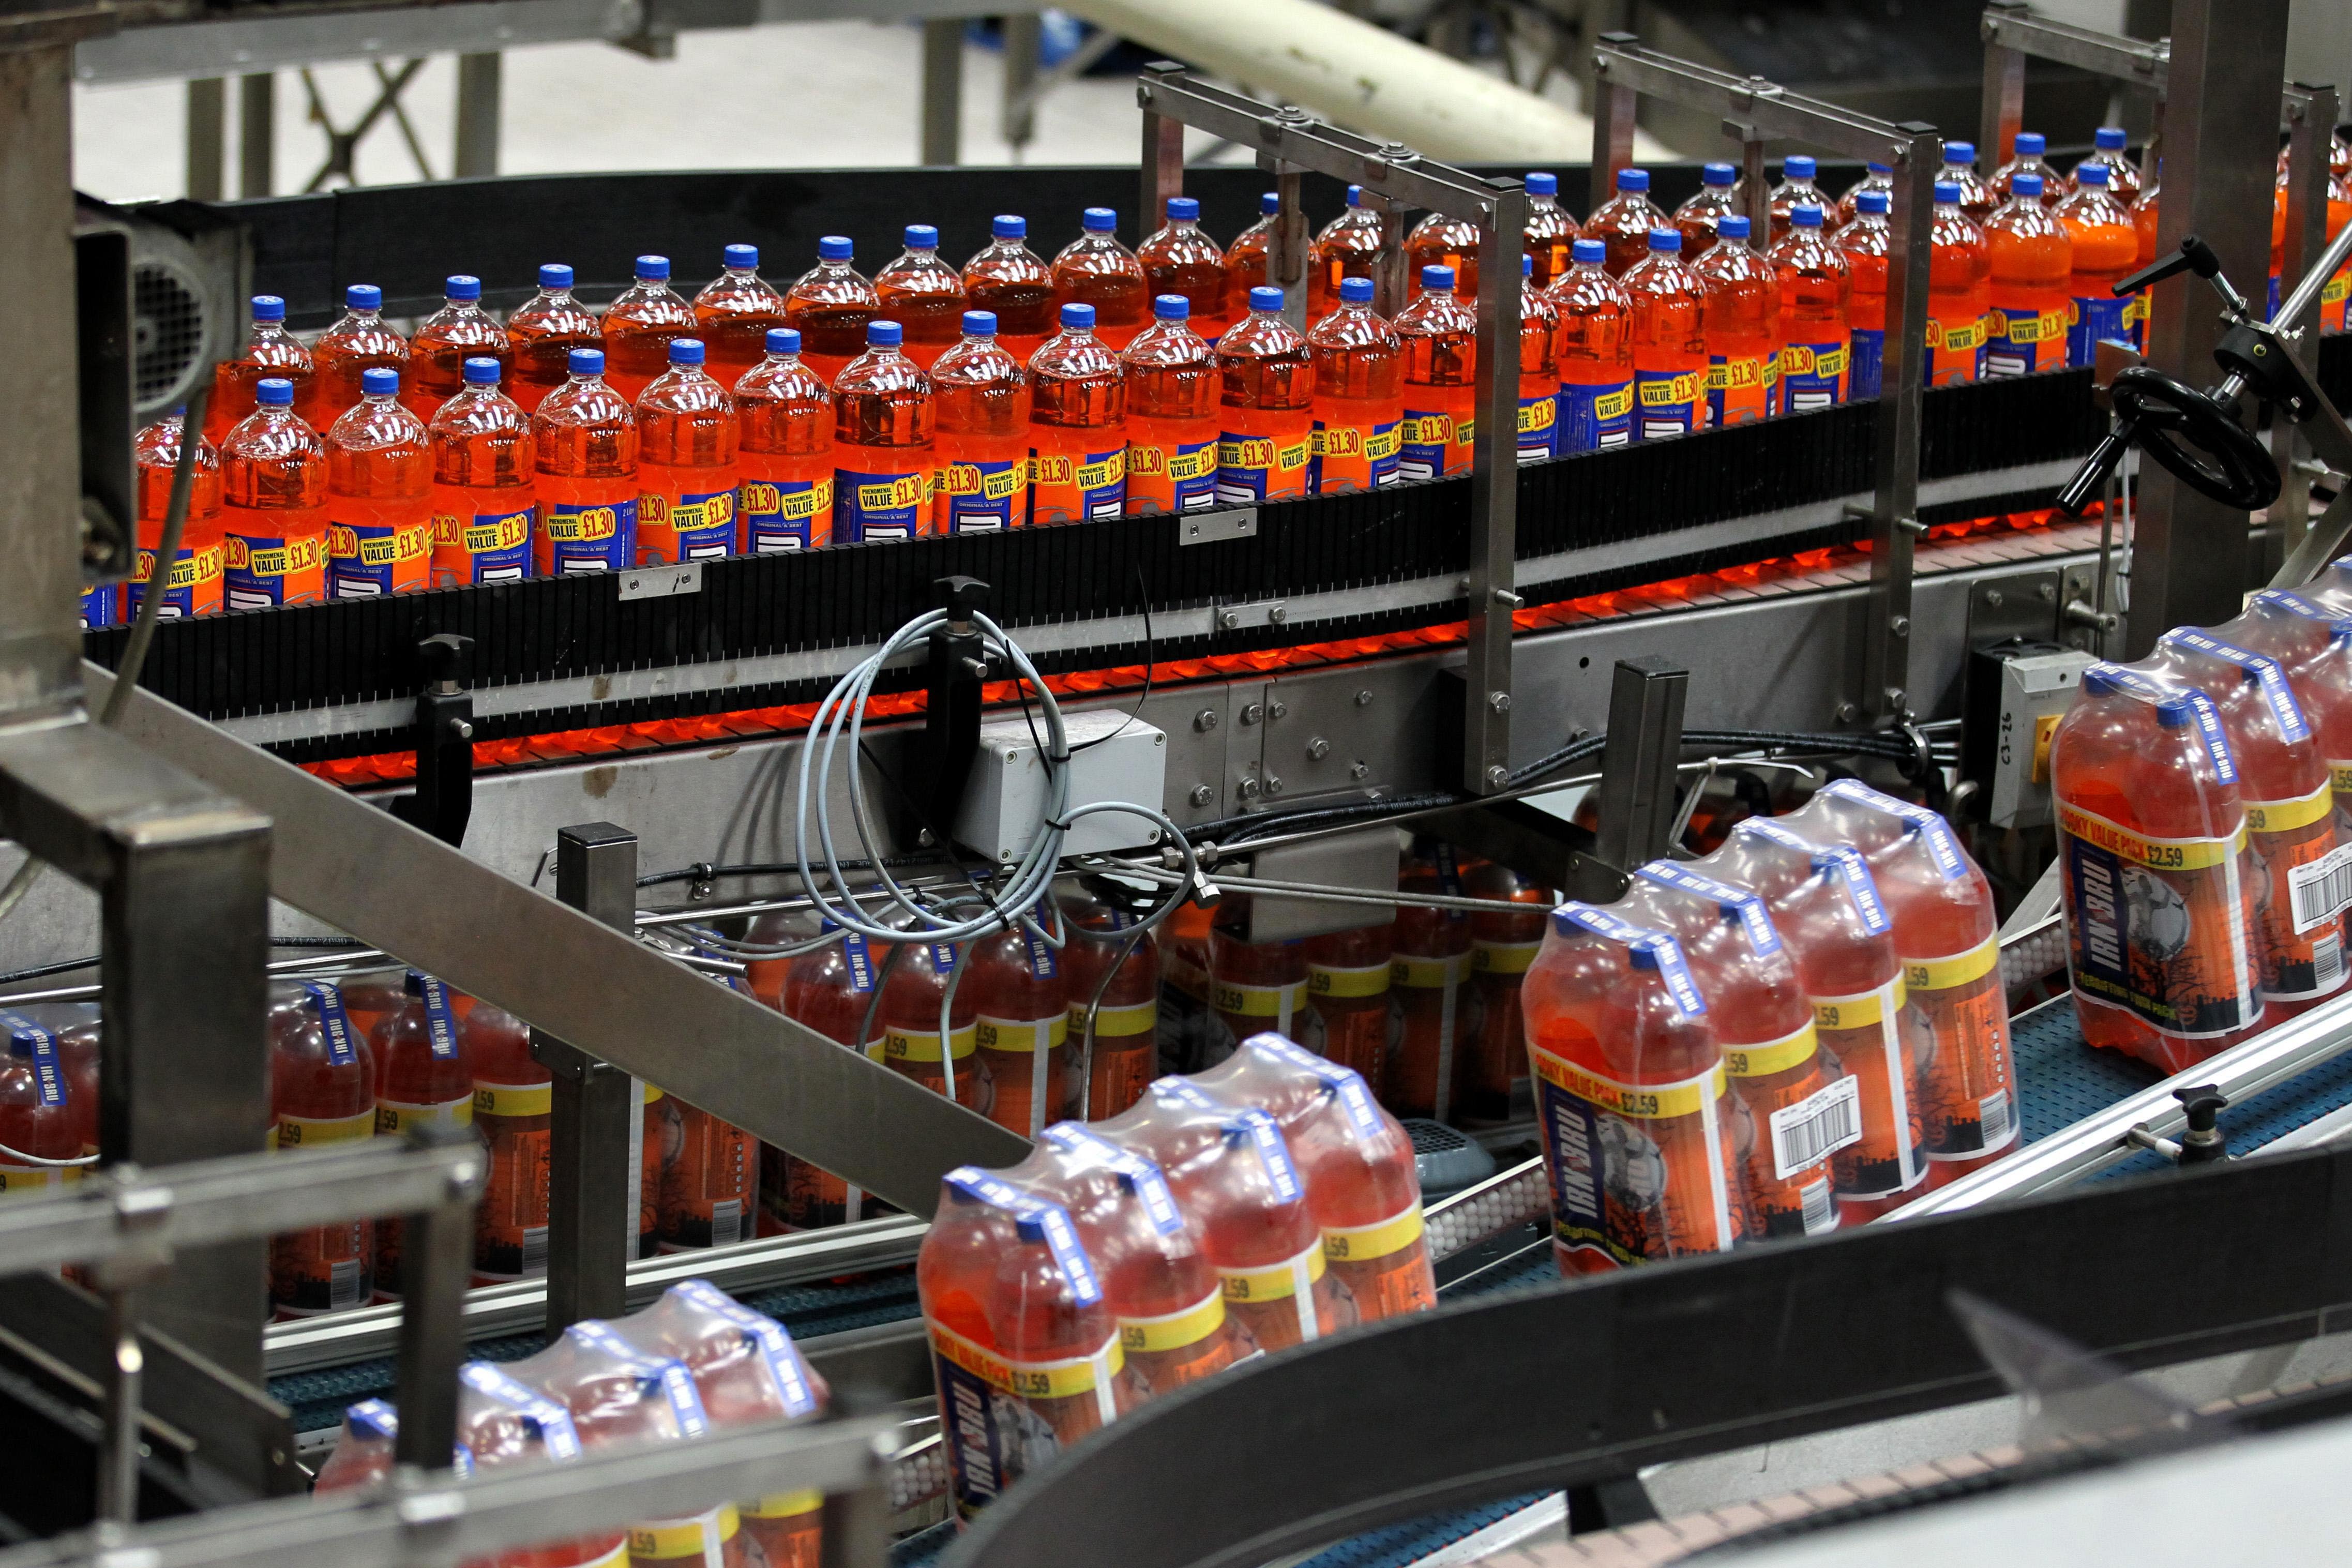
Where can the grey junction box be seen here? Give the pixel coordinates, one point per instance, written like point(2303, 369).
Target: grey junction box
point(1113, 757)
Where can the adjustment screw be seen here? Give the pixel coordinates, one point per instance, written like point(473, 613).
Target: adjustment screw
point(1992, 598)
point(1364, 698)
point(1500, 701)
point(1278, 615)
point(1205, 720)
point(1900, 625)
point(1847, 712)
point(2049, 593)
point(1202, 795)
point(1318, 748)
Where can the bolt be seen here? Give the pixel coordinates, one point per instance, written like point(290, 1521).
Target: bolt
point(1277, 615)
point(1364, 698)
point(1247, 789)
point(1318, 748)
point(462, 728)
point(1498, 775)
point(1202, 795)
point(1229, 619)
point(1847, 712)
point(1273, 784)
point(2049, 592)
point(1900, 625)
point(1277, 710)
point(1360, 769)
point(1253, 712)
point(923, 838)
point(1500, 701)
point(1205, 720)
point(1992, 598)
point(1508, 599)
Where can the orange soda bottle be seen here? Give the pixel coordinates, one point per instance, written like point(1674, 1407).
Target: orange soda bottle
point(1741, 320)
point(1095, 269)
point(1188, 1025)
point(2332, 296)
point(1077, 421)
point(484, 483)
point(2032, 259)
point(1551, 228)
point(884, 428)
point(830, 305)
point(1266, 408)
point(2313, 643)
point(638, 327)
point(709, 1177)
point(1180, 260)
point(1358, 394)
point(1538, 415)
point(1814, 284)
point(1623, 222)
point(357, 343)
point(1717, 196)
point(1172, 391)
point(922, 294)
point(1022, 997)
point(459, 330)
point(1795, 190)
point(1440, 241)
point(1595, 353)
point(514, 1104)
point(321, 1092)
point(1009, 280)
point(2109, 142)
point(687, 434)
point(1254, 985)
point(1492, 1057)
point(36, 1116)
point(379, 495)
point(194, 587)
point(584, 444)
point(1349, 247)
point(270, 350)
point(1441, 356)
point(1428, 970)
point(1347, 984)
point(1865, 242)
point(2104, 245)
point(2027, 160)
point(1246, 258)
point(1122, 1006)
point(423, 1078)
point(1669, 339)
point(1960, 292)
point(785, 452)
point(910, 1043)
point(273, 505)
point(983, 397)
point(1978, 199)
point(832, 991)
point(734, 313)
point(543, 333)
point(1879, 177)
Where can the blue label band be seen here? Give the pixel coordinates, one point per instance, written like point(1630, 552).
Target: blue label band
point(1754, 920)
point(1594, 417)
point(1346, 1083)
point(600, 537)
point(1050, 1220)
point(1660, 948)
point(335, 1023)
point(1139, 1175)
point(438, 1021)
point(1840, 860)
point(48, 1073)
point(2261, 667)
point(1918, 819)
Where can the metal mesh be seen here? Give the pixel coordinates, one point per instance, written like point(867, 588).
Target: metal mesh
point(168, 326)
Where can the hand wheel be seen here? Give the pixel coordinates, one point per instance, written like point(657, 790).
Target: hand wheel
point(2188, 432)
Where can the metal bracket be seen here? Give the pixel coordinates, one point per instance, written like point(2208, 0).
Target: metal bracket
point(443, 802)
point(1637, 766)
point(1260, 613)
point(1215, 527)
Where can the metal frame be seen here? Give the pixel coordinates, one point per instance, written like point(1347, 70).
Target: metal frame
point(1289, 141)
point(1753, 110)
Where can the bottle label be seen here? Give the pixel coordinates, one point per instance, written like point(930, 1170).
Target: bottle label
point(1025, 1035)
point(701, 1541)
point(984, 498)
point(312, 1132)
point(1441, 974)
point(709, 1173)
point(1384, 1265)
point(2161, 927)
point(1866, 372)
point(367, 561)
point(1171, 1349)
point(99, 605)
point(513, 1100)
point(2022, 341)
point(596, 537)
point(327, 1268)
point(395, 1117)
point(194, 587)
point(1430, 438)
point(1867, 1033)
point(1668, 400)
point(1325, 980)
point(1259, 1006)
point(1067, 486)
point(1956, 351)
point(1740, 387)
point(510, 1225)
point(261, 570)
point(785, 514)
point(1277, 1306)
point(1261, 468)
point(1179, 476)
point(1638, 1170)
point(1772, 1058)
point(2135, 314)
point(2092, 319)
point(493, 546)
point(1968, 1093)
point(920, 1046)
point(1794, 1125)
point(1360, 456)
point(2309, 876)
point(1114, 1022)
point(879, 506)
point(785, 1504)
point(1538, 427)
point(1594, 417)
point(1812, 375)
point(1503, 957)
point(1003, 1418)
point(702, 524)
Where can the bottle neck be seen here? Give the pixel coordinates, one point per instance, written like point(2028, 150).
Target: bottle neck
point(744, 275)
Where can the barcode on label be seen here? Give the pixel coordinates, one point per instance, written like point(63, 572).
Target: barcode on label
point(344, 1284)
point(1993, 1116)
point(534, 1249)
point(1820, 1211)
point(2327, 960)
point(727, 1223)
point(1806, 1133)
point(2322, 888)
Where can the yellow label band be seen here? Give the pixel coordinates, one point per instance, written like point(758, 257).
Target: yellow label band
point(1863, 1012)
point(1174, 1330)
point(672, 1538)
point(1504, 957)
point(2287, 816)
point(21, 1178)
point(2156, 853)
point(1256, 1001)
point(1961, 969)
point(1029, 1379)
point(395, 1117)
point(785, 1504)
point(2340, 775)
point(1429, 974)
point(1643, 1101)
point(1372, 981)
point(513, 1099)
point(904, 1046)
point(1117, 1023)
point(1793, 1050)
point(310, 1131)
point(1364, 1243)
point(1022, 1035)
point(1279, 1283)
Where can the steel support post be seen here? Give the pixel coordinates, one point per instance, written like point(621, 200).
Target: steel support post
point(2311, 114)
point(1163, 146)
point(943, 90)
point(1613, 107)
point(1895, 508)
point(1755, 190)
point(1286, 248)
point(1017, 115)
point(437, 1265)
point(256, 133)
point(1494, 496)
point(207, 137)
point(1392, 290)
point(1637, 769)
point(2189, 564)
point(480, 79)
point(2003, 110)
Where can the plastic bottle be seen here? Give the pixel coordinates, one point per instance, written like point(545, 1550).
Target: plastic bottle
point(908, 1037)
point(585, 446)
point(1623, 222)
point(2123, 174)
point(485, 483)
point(640, 324)
point(1022, 996)
point(1349, 247)
point(2031, 260)
point(1096, 270)
point(830, 305)
point(832, 991)
point(514, 1104)
point(2028, 160)
point(2102, 248)
point(784, 451)
point(1669, 339)
point(2143, 216)
point(2333, 294)
point(1010, 280)
point(369, 999)
point(982, 395)
point(322, 1091)
point(459, 330)
point(1717, 195)
point(78, 1045)
point(1429, 972)
point(36, 1116)
point(1361, 1182)
point(1551, 228)
point(1960, 292)
point(2156, 876)
point(358, 341)
point(194, 587)
point(273, 505)
point(1978, 199)
point(1816, 282)
point(1172, 391)
point(423, 1078)
point(1246, 256)
point(1255, 985)
point(1348, 1015)
point(379, 495)
point(1265, 406)
point(1539, 413)
point(1440, 335)
point(688, 435)
point(1187, 1023)
point(884, 443)
point(1865, 242)
point(1742, 320)
point(501, 1423)
point(1114, 1012)
point(1180, 260)
point(1796, 189)
point(1632, 1097)
point(543, 333)
point(709, 1177)
point(1440, 241)
point(1596, 353)
point(1492, 1056)
point(1077, 421)
point(363, 1451)
point(1878, 177)
point(269, 351)
point(922, 294)
point(2312, 641)
point(734, 313)
point(1359, 395)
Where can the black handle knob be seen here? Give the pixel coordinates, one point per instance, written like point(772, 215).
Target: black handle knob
point(2203, 1103)
point(2091, 479)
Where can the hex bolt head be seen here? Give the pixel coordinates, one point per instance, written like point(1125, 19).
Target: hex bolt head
point(1274, 784)
point(1992, 598)
point(1202, 795)
point(1247, 789)
point(1500, 701)
point(1847, 712)
point(1278, 615)
point(1364, 698)
point(1360, 770)
point(1498, 775)
point(1252, 712)
point(2049, 592)
point(1229, 619)
point(1900, 625)
point(1318, 748)
point(1205, 720)
point(1277, 710)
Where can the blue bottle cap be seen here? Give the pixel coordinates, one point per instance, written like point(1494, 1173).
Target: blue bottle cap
point(2026, 185)
point(462, 287)
point(363, 296)
point(979, 324)
point(686, 350)
point(2092, 174)
point(653, 268)
point(1355, 290)
point(1805, 215)
point(268, 307)
point(555, 275)
point(274, 392)
point(742, 258)
point(1718, 174)
point(1437, 279)
point(884, 334)
point(1797, 166)
point(922, 237)
point(2109, 138)
point(834, 247)
point(1077, 318)
point(1527, 264)
point(481, 372)
point(1007, 225)
point(1171, 308)
point(179, 411)
point(1542, 184)
point(1632, 179)
point(783, 339)
point(1876, 201)
point(1269, 203)
point(1263, 298)
point(1099, 220)
point(1880, 168)
point(585, 362)
point(1668, 240)
point(379, 381)
point(1589, 252)
point(1730, 225)
point(1948, 192)
point(1960, 153)
point(1183, 209)
point(1354, 195)
point(2031, 144)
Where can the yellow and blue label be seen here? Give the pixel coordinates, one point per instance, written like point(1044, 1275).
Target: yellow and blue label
point(1252, 468)
point(196, 578)
point(782, 515)
point(1594, 415)
point(2022, 341)
point(496, 544)
point(1376, 446)
point(99, 606)
point(1668, 400)
point(1188, 468)
point(705, 521)
point(879, 506)
point(1099, 480)
point(2095, 318)
point(1739, 388)
point(1812, 375)
point(599, 537)
point(1539, 426)
point(1866, 362)
point(985, 497)
point(363, 560)
point(1430, 438)
point(256, 566)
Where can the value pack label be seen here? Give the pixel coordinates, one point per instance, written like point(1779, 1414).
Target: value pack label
point(785, 514)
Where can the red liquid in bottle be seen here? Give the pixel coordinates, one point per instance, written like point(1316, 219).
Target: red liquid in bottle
point(1267, 413)
point(1865, 242)
point(733, 315)
point(485, 484)
point(1121, 1055)
point(2105, 245)
point(884, 444)
point(1095, 269)
point(1815, 282)
point(1428, 979)
point(1440, 357)
point(1358, 394)
point(1959, 293)
point(688, 435)
point(423, 1078)
point(1623, 222)
point(194, 586)
point(1595, 353)
point(831, 990)
point(1440, 241)
point(1255, 985)
point(1696, 219)
point(1742, 320)
point(1348, 1001)
point(909, 1041)
point(1490, 1056)
point(785, 450)
point(269, 351)
point(379, 496)
point(1077, 423)
point(1669, 341)
point(356, 343)
point(982, 395)
point(273, 506)
point(1246, 258)
point(1022, 999)
point(830, 305)
point(709, 1177)
point(1551, 228)
point(1172, 391)
point(459, 330)
point(1538, 411)
point(1349, 247)
point(37, 1117)
point(584, 442)
point(639, 326)
point(514, 1102)
point(1010, 280)
point(2312, 639)
point(922, 294)
point(1188, 1027)
point(1180, 260)
point(2032, 259)
point(543, 335)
